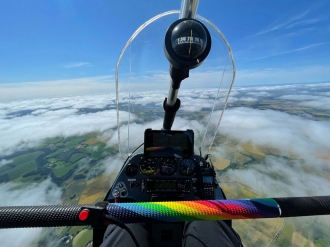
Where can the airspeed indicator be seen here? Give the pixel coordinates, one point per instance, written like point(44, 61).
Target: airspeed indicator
point(148, 166)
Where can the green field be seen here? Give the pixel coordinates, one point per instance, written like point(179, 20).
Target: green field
point(73, 142)
point(62, 168)
point(53, 140)
point(75, 229)
point(82, 238)
point(59, 151)
point(23, 164)
point(76, 156)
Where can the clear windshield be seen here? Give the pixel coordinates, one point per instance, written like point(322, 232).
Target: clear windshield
point(142, 83)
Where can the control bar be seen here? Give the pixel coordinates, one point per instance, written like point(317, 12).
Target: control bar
point(177, 211)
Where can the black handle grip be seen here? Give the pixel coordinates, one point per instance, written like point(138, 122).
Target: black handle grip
point(304, 206)
point(40, 216)
point(170, 112)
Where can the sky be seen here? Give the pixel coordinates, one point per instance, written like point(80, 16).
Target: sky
point(52, 45)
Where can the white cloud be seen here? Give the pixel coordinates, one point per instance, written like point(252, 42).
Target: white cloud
point(295, 97)
point(5, 162)
point(320, 103)
point(259, 94)
point(289, 51)
point(303, 74)
point(247, 99)
point(29, 130)
point(25, 123)
point(292, 134)
point(279, 177)
point(303, 144)
point(44, 193)
point(304, 139)
point(325, 94)
point(57, 88)
point(77, 64)
point(280, 24)
point(311, 101)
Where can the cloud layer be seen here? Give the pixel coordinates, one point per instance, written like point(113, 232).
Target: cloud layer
point(299, 166)
point(44, 193)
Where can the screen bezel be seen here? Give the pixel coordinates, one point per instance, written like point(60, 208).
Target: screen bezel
point(148, 140)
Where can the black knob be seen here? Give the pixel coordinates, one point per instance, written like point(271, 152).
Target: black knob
point(123, 192)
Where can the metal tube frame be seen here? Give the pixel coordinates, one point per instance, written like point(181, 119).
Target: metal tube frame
point(172, 96)
point(188, 10)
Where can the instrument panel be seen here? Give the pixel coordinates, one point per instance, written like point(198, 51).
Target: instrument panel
point(162, 166)
point(162, 179)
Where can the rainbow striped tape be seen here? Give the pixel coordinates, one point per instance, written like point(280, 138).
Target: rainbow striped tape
point(179, 211)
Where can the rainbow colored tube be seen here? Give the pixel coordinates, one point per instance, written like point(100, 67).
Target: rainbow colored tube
point(179, 211)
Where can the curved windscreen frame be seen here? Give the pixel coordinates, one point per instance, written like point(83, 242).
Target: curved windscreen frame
point(217, 109)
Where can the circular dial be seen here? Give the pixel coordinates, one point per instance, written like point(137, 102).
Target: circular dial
point(188, 167)
point(168, 166)
point(148, 166)
point(189, 39)
point(131, 170)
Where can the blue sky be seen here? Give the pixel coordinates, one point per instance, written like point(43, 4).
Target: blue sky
point(273, 41)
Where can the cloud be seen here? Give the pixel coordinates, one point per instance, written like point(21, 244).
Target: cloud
point(57, 88)
point(77, 64)
point(27, 131)
point(44, 193)
point(247, 99)
point(320, 103)
point(298, 97)
point(22, 121)
point(5, 162)
point(298, 167)
point(303, 22)
point(280, 177)
point(301, 166)
point(303, 74)
point(289, 23)
point(259, 94)
point(290, 51)
point(311, 101)
point(292, 134)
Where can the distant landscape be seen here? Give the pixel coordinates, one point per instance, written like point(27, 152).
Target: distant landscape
point(82, 165)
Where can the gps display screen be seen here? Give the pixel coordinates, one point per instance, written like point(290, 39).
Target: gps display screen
point(159, 143)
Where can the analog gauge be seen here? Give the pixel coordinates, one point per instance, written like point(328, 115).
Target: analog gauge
point(168, 166)
point(131, 170)
point(148, 166)
point(188, 167)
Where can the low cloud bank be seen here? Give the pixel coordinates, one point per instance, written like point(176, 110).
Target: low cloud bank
point(28, 131)
point(44, 193)
point(303, 165)
point(301, 168)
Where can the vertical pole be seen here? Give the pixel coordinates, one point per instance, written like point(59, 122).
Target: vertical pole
point(188, 9)
point(172, 103)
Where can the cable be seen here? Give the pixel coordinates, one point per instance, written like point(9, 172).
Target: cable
point(122, 225)
point(129, 157)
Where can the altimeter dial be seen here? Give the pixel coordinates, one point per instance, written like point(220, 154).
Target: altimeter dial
point(148, 166)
